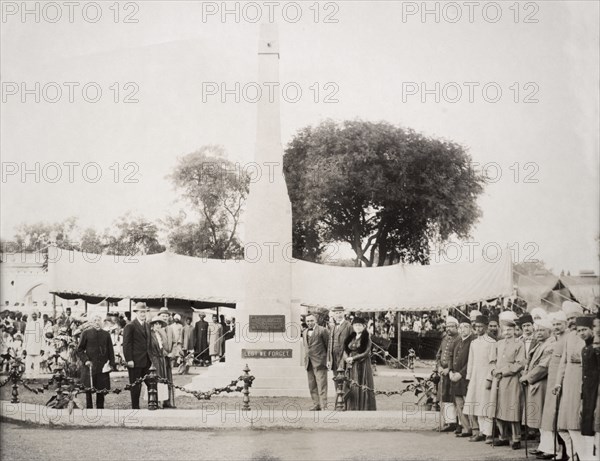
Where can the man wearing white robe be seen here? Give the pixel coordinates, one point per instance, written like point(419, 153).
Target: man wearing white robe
point(33, 344)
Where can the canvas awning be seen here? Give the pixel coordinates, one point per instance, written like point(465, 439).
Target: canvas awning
point(217, 282)
point(402, 287)
point(210, 282)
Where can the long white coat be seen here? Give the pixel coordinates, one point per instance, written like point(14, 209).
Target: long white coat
point(536, 373)
point(570, 377)
point(550, 400)
point(478, 398)
point(33, 339)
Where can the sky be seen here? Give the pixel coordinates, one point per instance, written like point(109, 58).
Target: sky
point(515, 83)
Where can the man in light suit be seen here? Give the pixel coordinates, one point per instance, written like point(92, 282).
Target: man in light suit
point(316, 340)
point(136, 336)
point(341, 330)
point(169, 341)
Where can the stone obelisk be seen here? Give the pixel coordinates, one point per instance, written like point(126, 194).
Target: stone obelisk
point(267, 319)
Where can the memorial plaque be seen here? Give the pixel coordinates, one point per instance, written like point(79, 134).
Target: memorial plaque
point(266, 353)
point(267, 323)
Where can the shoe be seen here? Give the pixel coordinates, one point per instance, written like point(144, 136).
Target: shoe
point(501, 443)
point(543, 455)
point(458, 429)
point(465, 434)
point(477, 438)
point(489, 440)
point(315, 408)
point(516, 446)
point(535, 452)
point(449, 428)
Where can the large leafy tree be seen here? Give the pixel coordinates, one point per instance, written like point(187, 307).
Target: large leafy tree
point(132, 235)
point(387, 191)
point(216, 189)
point(36, 236)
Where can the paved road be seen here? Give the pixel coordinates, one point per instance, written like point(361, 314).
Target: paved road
point(25, 442)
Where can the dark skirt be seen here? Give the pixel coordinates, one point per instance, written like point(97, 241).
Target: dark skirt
point(357, 398)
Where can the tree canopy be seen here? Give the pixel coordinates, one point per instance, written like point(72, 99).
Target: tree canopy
point(387, 191)
point(215, 190)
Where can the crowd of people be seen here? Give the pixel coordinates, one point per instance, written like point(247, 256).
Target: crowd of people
point(534, 375)
point(90, 348)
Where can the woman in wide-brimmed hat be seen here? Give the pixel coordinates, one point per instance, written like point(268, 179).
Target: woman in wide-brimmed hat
point(157, 355)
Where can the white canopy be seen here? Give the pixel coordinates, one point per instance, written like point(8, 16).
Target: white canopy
point(163, 275)
point(402, 287)
point(167, 275)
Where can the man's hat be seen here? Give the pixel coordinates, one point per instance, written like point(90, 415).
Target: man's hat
point(571, 308)
point(544, 323)
point(538, 313)
point(494, 318)
point(585, 321)
point(525, 318)
point(483, 319)
point(558, 316)
point(474, 314)
point(163, 310)
point(451, 320)
point(465, 320)
point(140, 307)
point(337, 309)
point(507, 316)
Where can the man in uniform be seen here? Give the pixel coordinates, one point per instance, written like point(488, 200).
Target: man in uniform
point(443, 358)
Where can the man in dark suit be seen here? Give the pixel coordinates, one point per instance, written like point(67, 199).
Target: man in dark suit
point(316, 340)
point(340, 332)
point(136, 335)
point(201, 337)
point(458, 363)
point(96, 350)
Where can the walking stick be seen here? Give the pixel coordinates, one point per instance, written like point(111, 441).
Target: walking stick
point(525, 417)
point(91, 378)
point(495, 411)
point(555, 420)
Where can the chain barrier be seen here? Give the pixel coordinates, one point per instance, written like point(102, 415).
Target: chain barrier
point(67, 388)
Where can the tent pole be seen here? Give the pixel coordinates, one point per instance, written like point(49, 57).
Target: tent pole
point(85, 306)
point(399, 336)
point(54, 306)
point(129, 307)
point(165, 304)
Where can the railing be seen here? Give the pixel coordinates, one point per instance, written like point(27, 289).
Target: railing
point(67, 388)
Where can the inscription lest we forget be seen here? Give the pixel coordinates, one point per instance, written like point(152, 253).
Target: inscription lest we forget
point(266, 353)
